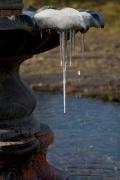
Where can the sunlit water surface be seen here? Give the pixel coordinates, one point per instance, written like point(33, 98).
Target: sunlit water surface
point(87, 137)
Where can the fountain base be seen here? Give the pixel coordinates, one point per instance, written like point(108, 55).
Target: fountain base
point(23, 139)
point(26, 158)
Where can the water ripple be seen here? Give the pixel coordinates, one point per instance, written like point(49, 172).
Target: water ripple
point(87, 143)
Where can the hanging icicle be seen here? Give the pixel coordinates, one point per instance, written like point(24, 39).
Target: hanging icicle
point(82, 45)
point(61, 59)
point(73, 42)
point(70, 50)
point(64, 60)
point(67, 20)
point(66, 49)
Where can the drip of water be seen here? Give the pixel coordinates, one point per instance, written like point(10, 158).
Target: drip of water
point(79, 73)
point(82, 45)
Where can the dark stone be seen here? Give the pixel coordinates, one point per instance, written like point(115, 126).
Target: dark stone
point(23, 139)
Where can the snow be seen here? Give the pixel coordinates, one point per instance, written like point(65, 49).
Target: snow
point(64, 19)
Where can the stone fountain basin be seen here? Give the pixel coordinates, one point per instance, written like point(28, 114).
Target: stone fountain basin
point(20, 39)
point(21, 35)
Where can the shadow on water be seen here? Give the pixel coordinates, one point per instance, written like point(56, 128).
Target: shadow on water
point(87, 143)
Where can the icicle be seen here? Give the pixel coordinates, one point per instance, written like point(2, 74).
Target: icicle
point(61, 59)
point(73, 41)
point(64, 86)
point(82, 45)
point(41, 34)
point(64, 53)
point(66, 47)
point(70, 33)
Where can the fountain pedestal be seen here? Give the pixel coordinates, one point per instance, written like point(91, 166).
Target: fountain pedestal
point(23, 139)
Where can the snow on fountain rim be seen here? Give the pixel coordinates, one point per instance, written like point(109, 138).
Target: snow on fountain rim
point(66, 18)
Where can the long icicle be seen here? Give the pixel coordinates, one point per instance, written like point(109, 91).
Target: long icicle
point(64, 86)
point(64, 49)
point(61, 58)
point(82, 45)
point(73, 41)
point(70, 34)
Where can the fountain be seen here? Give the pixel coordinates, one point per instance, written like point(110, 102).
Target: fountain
point(23, 139)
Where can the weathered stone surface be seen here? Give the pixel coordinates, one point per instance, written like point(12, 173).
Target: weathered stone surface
point(23, 139)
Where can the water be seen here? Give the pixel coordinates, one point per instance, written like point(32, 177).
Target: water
point(87, 142)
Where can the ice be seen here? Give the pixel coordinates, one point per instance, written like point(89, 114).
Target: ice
point(82, 45)
point(64, 63)
point(64, 51)
point(67, 18)
point(70, 50)
point(67, 21)
point(64, 86)
point(71, 45)
point(61, 60)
